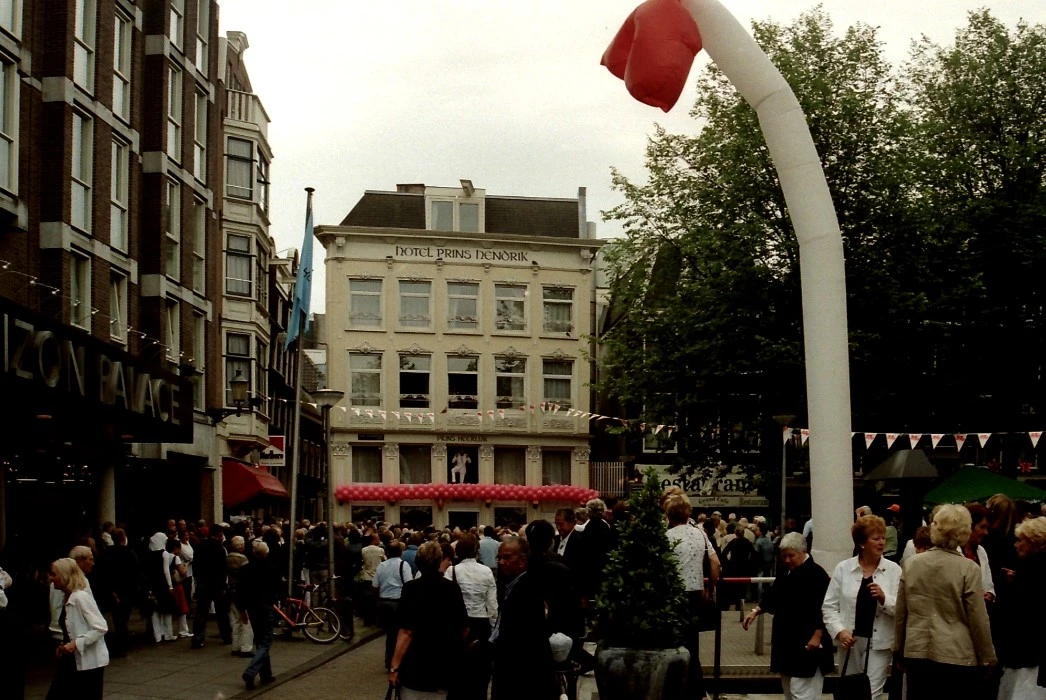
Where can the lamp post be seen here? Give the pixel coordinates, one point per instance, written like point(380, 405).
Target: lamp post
point(783, 420)
point(328, 399)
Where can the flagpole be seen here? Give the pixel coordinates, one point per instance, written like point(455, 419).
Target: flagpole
point(296, 461)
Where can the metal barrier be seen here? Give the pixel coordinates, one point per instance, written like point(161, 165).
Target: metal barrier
point(759, 630)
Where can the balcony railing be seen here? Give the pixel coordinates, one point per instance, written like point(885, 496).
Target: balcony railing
point(246, 107)
point(609, 478)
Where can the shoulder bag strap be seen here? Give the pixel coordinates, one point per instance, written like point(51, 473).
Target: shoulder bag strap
point(846, 660)
point(867, 655)
point(454, 573)
point(402, 580)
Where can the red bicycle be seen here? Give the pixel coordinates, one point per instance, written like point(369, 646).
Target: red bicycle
point(321, 625)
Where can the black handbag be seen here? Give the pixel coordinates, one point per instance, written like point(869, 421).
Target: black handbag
point(856, 686)
point(393, 693)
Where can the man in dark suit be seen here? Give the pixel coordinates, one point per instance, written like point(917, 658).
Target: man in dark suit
point(597, 541)
point(523, 666)
point(568, 543)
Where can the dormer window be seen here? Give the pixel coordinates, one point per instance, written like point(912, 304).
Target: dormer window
point(452, 215)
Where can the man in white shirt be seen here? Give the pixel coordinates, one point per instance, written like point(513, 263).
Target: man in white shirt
point(372, 556)
point(389, 580)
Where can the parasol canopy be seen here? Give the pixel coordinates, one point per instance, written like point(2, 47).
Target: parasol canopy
point(904, 464)
point(977, 484)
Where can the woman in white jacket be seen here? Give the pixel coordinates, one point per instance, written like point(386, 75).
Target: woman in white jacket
point(858, 609)
point(82, 655)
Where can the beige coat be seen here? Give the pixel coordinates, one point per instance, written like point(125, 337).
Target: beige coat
point(940, 611)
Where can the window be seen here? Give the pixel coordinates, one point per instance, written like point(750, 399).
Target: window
point(262, 269)
point(172, 207)
point(414, 381)
point(365, 303)
point(263, 183)
point(200, 141)
point(365, 380)
point(442, 216)
point(261, 372)
point(469, 218)
point(237, 361)
point(462, 306)
point(555, 468)
point(463, 382)
point(9, 16)
point(80, 290)
point(199, 357)
point(199, 246)
point(203, 33)
point(510, 380)
point(173, 318)
point(178, 22)
point(415, 464)
point(83, 44)
point(366, 465)
point(122, 67)
point(119, 196)
point(239, 164)
point(510, 466)
point(81, 186)
point(559, 310)
point(414, 304)
point(238, 265)
point(174, 113)
point(659, 443)
point(9, 126)
point(557, 379)
point(510, 304)
point(118, 306)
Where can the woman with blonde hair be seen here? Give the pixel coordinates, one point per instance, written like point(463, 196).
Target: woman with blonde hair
point(858, 608)
point(1023, 615)
point(82, 655)
point(942, 625)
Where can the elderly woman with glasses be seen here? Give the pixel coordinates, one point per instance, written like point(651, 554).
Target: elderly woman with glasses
point(942, 623)
point(800, 648)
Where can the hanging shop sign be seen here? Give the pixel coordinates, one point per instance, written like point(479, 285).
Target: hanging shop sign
point(275, 454)
point(48, 368)
point(723, 486)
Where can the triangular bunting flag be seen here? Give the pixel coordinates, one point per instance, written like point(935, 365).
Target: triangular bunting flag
point(409, 415)
point(960, 440)
point(396, 413)
point(369, 412)
point(805, 432)
point(356, 410)
point(786, 434)
point(935, 438)
point(383, 414)
point(983, 438)
point(891, 438)
point(1034, 438)
point(869, 438)
point(658, 429)
point(914, 438)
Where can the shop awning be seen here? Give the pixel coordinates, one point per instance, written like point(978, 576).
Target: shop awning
point(242, 482)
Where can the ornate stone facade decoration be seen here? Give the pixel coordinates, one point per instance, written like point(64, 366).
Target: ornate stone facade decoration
point(366, 347)
point(439, 450)
point(340, 450)
point(581, 454)
point(464, 351)
point(392, 450)
point(534, 453)
point(559, 424)
point(510, 352)
point(416, 349)
point(463, 420)
point(558, 354)
point(486, 452)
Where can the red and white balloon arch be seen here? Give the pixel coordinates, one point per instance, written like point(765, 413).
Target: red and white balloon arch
point(464, 492)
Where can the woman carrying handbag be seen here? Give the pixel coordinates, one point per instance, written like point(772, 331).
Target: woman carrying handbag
point(82, 655)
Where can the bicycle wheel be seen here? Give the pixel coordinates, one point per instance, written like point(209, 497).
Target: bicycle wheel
point(321, 625)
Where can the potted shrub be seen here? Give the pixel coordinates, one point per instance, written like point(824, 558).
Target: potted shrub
point(641, 608)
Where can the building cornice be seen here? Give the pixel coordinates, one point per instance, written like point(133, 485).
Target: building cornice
point(328, 234)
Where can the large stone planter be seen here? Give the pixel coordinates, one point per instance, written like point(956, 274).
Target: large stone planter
point(641, 674)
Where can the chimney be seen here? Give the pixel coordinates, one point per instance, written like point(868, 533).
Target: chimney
point(582, 216)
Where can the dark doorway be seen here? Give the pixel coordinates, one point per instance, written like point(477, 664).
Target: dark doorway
point(510, 517)
point(464, 519)
point(416, 517)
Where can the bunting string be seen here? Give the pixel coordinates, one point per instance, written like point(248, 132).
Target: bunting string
point(915, 438)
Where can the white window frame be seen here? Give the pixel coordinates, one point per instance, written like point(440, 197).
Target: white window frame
point(9, 116)
point(412, 400)
point(11, 17)
point(463, 401)
point(511, 373)
point(173, 229)
point(120, 196)
point(547, 376)
point(200, 137)
point(82, 169)
point(231, 159)
point(85, 36)
point(231, 252)
point(365, 319)
point(261, 374)
point(199, 246)
point(547, 323)
point(432, 214)
point(410, 289)
point(175, 99)
point(459, 323)
point(263, 182)
point(460, 219)
point(232, 361)
point(177, 33)
point(199, 343)
point(80, 289)
point(203, 27)
point(500, 324)
point(172, 315)
point(122, 37)
point(118, 306)
point(357, 396)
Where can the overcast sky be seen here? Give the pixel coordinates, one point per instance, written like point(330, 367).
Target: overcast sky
point(507, 94)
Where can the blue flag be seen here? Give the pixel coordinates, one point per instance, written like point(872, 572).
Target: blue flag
point(299, 321)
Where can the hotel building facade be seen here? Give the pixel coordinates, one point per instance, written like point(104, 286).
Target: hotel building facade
point(458, 325)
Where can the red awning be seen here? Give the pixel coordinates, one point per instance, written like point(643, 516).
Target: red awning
point(242, 482)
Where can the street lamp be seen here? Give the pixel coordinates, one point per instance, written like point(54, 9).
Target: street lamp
point(238, 389)
point(327, 399)
point(784, 420)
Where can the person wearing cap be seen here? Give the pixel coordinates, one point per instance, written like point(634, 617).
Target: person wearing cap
point(890, 551)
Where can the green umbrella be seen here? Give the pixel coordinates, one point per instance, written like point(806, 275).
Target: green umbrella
point(977, 484)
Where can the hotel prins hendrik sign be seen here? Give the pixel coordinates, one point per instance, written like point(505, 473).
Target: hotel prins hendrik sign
point(431, 252)
point(48, 367)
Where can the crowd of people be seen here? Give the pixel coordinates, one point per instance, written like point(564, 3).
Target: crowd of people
point(959, 607)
